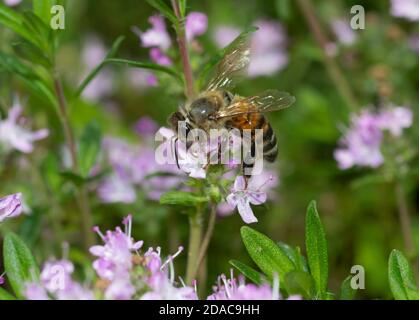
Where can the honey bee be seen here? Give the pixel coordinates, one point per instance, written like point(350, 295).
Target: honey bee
point(217, 107)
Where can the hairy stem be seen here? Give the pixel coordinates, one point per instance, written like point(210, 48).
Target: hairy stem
point(332, 67)
point(404, 218)
point(82, 197)
point(183, 50)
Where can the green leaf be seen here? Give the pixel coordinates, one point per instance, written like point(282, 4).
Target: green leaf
point(32, 53)
point(37, 85)
point(182, 198)
point(209, 66)
point(283, 7)
point(41, 33)
point(346, 291)
point(247, 271)
point(89, 148)
point(42, 8)
point(112, 52)
point(299, 282)
point(19, 263)
point(4, 295)
point(269, 257)
point(295, 256)
point(316, 249)
point(401, 278)
point(164, 9)
point(182, 5)
point(72, 177)
point(12, 20)
point(144, 65)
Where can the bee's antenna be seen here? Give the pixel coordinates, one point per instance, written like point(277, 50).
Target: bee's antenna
point(176, 153)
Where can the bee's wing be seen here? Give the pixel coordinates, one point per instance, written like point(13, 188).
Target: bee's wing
point(233, 65)
point(267, 101)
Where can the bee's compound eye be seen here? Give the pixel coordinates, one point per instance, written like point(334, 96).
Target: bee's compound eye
point(201, 110)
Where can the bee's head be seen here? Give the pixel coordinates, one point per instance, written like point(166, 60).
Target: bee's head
point(203, 110)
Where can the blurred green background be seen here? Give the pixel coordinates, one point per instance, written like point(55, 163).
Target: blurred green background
point(360, 219)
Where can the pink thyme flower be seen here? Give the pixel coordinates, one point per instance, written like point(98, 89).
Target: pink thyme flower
point(157, 56)
point(408, 9)
point(156, 36)
point(162, 281)
point(196, 25)
point(114, 257)
point(395, 119)
point(12, 3)
point(268, 180)
point(361, 145)
point(241, 197)
point(268, 49)
point(56, 283)
point(146, 126)
point(10, 206)
point(15, 136)
point(343, 31)
point(117, 187)
point(233, 289)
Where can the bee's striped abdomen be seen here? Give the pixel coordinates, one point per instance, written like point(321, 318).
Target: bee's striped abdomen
point(270, 147)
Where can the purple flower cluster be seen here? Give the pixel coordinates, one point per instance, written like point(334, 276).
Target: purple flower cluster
point(158, 40)
point(135, 167)
point(361, 144)
point(268, 46)
point(56, 283)
point(13, 134)
point(233, 289)
point(127, 273)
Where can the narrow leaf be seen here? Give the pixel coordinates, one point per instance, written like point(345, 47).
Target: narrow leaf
point(299, 283)
point(182, 5)
point(19, 263)
point(13, 20)
point(89, 148)
point(4, 295)
point(316, 246)
point(401, 278)
point(181, 198)
point(247, 271)
point(269, 257)
point(164, 9)
point(346, 291)
point(145, 65)
point(42, 8)
point(27, 75)
point(112, 52)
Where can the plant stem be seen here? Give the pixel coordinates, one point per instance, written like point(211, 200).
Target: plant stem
point(82, 197)
point(184, 53)
point(404, 217)
point(332, 67)
point(195, 220)
point(208, 234)
point(195, 234)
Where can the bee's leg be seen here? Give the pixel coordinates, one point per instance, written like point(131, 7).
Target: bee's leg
point(246, 167)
